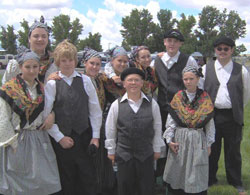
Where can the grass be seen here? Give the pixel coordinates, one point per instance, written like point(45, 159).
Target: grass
point(1, 80)
point(223, 188)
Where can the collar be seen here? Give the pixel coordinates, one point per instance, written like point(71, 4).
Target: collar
point(74, 74)
point(125, 97)
point(166, 57)
point(31, 87)
point(228, 66)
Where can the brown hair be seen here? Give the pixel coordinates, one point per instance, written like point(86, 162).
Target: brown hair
point(65, 49)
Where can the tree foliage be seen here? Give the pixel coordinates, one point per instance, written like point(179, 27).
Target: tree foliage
point(166, 22)
point(213, 23)
point(8, 39)
point(186, 25)
point(93, 41)
point(137, 27)
point(23, 36)
point(64, 29)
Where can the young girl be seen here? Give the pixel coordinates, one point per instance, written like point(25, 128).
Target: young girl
point(27, 160)
point(189, 133)
point(142, 58)
point(118, 62)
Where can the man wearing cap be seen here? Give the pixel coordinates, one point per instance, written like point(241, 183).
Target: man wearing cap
point(169, 70)
point(133, 136)
point(227, 83)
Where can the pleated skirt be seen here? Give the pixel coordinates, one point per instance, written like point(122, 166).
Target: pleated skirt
point(32, 168)
point(188, 170)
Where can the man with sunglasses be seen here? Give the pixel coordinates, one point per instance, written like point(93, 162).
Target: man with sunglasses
point(227, 83)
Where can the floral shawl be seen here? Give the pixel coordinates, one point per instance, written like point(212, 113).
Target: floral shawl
point(45, 63)
point(150, 83)
point(16, 94)
point(193, 114)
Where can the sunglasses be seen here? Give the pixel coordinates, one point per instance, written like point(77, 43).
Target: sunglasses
point(225, 49)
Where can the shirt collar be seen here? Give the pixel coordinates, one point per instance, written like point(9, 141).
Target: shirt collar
point(74, 74)
point(125, 97)
point(166, 57)
point(31, 87)
point(218, 65)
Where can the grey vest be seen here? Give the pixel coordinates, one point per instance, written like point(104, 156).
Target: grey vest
point(71, 106)
point(234, 86)
point(135, 131)
point(170, 80)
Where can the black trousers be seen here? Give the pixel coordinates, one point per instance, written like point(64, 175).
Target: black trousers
point(231, 132)
point(135, 177)
point(76, 167)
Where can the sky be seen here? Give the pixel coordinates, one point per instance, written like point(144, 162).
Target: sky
point(104, 16)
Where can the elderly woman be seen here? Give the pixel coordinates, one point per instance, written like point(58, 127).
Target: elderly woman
point(38, 41)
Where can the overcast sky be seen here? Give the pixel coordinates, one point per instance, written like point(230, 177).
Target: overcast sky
point(104, 16)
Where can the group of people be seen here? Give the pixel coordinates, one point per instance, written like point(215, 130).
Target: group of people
point(63, 132)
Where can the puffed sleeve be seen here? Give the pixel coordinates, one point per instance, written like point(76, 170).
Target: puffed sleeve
point(11, 71)
point(7, 133)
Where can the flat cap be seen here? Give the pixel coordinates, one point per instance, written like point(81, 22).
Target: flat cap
point(224, 40)
point(132, 70)
point(174, 33)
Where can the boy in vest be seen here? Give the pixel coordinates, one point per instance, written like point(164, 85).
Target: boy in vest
point(78, 118)
point(169, 68)
point(227, 83)
point(133, 132)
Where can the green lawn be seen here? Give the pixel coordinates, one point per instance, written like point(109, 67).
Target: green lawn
point(0, 80)
point(223, 188)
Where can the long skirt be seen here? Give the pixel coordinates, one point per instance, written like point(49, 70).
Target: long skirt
point(188, 170)
point(32, 168)
point(105, 174)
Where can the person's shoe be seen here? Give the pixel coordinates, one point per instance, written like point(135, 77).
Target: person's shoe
point(241, 190)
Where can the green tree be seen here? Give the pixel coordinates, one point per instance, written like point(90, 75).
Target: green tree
point(232, 25)
point(8, 39)
point(93, 41)
point(214, 23)
point(77, 28)
point(186, 25)
point(239, 49)
point(64, 29)
point(23, 36)
point(137, 27)
point(166, 23)
point(209, 19)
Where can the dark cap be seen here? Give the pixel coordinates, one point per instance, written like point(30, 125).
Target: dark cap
point(224, 40)
point(174, 33)
point(132, 70)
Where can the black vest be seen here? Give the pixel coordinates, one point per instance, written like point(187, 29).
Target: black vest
point(135, 131)
point(170, 80)
point(234, 86)
point(71, 106)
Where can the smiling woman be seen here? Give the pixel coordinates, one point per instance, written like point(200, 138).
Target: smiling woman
point(38, 38)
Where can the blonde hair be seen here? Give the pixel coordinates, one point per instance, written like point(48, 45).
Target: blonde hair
point(65, 49)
